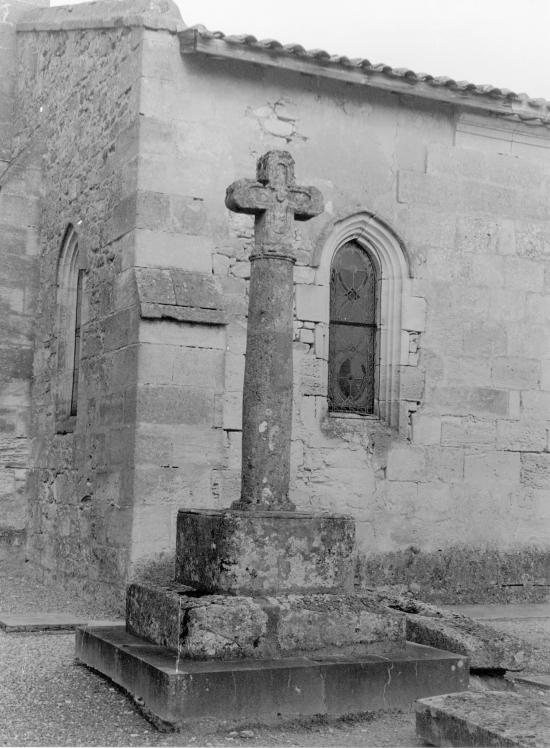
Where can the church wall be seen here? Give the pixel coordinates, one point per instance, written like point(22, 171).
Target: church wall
point(19, 214)
point(77, 107)
point(455, 499)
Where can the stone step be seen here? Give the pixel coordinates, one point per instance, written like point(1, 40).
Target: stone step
point(231, 627)
point(173, 691)
point(488, 718)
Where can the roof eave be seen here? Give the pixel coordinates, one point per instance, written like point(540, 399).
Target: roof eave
point(193, 42)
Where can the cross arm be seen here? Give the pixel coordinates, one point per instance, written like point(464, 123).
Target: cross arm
point(307, 202)
point(247, 196)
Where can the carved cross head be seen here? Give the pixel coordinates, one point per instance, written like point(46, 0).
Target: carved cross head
point(275, 200)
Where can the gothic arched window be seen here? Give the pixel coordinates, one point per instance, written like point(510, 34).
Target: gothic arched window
point(70, 280)
point(352, 331)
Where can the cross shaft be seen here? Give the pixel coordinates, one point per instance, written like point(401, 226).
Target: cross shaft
point(276, 201)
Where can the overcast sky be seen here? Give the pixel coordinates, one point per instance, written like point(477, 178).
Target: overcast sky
point(503, 42)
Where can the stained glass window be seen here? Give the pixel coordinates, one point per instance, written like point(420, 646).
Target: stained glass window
point(352, 334)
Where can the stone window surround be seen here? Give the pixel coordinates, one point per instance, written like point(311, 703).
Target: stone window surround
point(399, 316)
point(70, 262)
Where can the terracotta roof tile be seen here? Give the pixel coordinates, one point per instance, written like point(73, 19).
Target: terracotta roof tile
point(540, 107)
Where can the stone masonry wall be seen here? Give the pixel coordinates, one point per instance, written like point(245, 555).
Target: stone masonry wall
point(454, 500)
point(19, 212)
point(78, 93)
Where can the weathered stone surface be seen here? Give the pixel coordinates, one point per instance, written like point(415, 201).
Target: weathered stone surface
point(176, 690)
point(260, 553)
point(473, 718)
point(230, 627)
point(275, 200)
point(486, 648)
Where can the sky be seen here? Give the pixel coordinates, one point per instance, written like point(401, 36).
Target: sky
point(502, 42)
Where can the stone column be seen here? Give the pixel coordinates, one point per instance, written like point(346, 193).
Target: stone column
point(276, 201)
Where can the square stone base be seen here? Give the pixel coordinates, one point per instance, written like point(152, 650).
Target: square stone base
point(232, 627)
point(264, 553)
point(174, 691)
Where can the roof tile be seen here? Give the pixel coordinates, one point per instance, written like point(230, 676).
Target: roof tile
point(542, 106)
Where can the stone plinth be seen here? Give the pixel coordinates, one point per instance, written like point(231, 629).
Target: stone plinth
point(261, 552)
point(473, 718)
point(233, 627)
point(174, 690)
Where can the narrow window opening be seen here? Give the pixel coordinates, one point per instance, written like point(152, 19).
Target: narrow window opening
point(76, 356)
point(352, 331)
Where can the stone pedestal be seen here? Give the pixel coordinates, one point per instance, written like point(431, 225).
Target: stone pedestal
point(264, 553)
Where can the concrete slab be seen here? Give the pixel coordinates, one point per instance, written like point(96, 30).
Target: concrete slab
point(48, 622)
point(173, 690)
point(488, 718)
point(514, 612)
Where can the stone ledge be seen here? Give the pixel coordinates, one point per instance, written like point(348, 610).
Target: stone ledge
point(104, 14)
point(232, 627)
point(264, 553)
point(174, 691)
point(473, 718)
point(486, 648)
point(182, 295)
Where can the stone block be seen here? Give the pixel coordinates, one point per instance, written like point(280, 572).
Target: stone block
point(311, 303)
point(457, 431)
point(176, 690)
point(414, 313)
point(171, 332)
point(492, 469)
point(169, 404)
point(486, 648)
point(426, 429)
point(474, 401)
point(483, 718)
point(259, 553)
point(488, 270)
point(321, 342)
point(523, 274)
point(406, 464)
point(516, 372)
point(313, 373)
point(477, 234)
point(522, 436)
point(538, 307)
point(535, 470)
point(411, 383)
point(234, 627)
point(484, 338)
point(232, 417)
point(157, 248)
point(535, 404)
point(304, 274)
point(198, 367)
point(528, 340)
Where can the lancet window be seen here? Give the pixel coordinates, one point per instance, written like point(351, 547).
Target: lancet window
point(70, 287)
point(352, 331)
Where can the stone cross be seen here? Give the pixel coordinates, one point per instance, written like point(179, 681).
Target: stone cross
point(276, 201)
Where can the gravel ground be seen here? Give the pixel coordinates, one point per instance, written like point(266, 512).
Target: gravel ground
point(47, 699)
